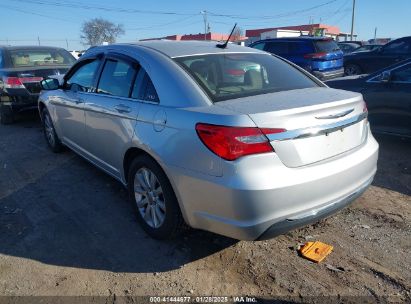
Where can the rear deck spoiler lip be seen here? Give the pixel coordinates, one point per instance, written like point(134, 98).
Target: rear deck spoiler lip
point(317, 130)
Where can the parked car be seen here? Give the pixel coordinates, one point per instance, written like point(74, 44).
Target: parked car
point(370, 62)
point(348, 47)
point(320, 56)
point(21, 70)
point(247, 160)
point(357, 42)
point(368, 47)
point(388, 97)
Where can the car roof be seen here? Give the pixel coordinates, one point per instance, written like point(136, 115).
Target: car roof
point(28, 47)
point(308, 38)
point(173, 49)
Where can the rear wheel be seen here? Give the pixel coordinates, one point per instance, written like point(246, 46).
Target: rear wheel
point(352, 69)
point(6, 115)
point(156, 205)
point(50, 133)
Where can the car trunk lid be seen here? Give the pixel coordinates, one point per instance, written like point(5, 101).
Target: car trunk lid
point(320, 122)
point(31, 77)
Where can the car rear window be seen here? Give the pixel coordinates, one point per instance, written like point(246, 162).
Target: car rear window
point(39, 57)
point(326, 46)
point(229, 76)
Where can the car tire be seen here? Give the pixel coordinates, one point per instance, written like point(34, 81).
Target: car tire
point(154, 200)
point(6, 115)
point(50, 133)
point(352, 69)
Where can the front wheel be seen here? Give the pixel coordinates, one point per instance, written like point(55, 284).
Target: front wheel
point(352, 69)
point(50, 133)
point(156, 205)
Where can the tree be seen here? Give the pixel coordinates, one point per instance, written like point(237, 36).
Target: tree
point(98, 30)
point(237, 34)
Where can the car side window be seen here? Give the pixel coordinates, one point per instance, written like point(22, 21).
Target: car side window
point(277, 47)
point(83, 78)
point(144, 88)
point(300, 48)
point(398, 47)
point(259, 46)
point(402, 74)
point(116, 78)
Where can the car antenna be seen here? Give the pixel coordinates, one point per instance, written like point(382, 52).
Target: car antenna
point(224, 45)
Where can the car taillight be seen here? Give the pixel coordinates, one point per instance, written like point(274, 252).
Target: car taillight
point(18, 82)
point(230, 143)
point(365, 109)
point(315, 55)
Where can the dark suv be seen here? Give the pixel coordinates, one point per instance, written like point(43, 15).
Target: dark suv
point(320, 56)
point(369, 62)
point(21, 70)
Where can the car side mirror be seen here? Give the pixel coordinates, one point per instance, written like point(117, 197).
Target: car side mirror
point(50, 84)
point(385, 76)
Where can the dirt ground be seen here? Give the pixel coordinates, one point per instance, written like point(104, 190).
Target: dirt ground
point(67, 229)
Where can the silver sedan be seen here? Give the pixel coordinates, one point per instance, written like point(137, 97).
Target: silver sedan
point(200, 139)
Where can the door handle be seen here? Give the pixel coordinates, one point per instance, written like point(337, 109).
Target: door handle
point(122, 108)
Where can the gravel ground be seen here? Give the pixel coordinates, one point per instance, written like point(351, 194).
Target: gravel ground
point(67, 229)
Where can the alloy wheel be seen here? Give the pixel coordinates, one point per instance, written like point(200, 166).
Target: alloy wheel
point(149, 197)
point(49, 129)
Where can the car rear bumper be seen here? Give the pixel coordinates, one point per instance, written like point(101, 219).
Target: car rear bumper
point(19, 103)
point(261, 198)
point(329, 74)
point(313, 215)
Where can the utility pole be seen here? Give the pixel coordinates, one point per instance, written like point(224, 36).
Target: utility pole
point(375, 35)
point(204, 13)
point(38, 39)
point(352, 20)
point(66, 44)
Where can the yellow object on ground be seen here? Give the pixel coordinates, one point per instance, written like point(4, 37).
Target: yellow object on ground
point(315, 251)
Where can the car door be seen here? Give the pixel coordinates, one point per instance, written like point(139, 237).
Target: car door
point(389, 54)
point(69, 106)
point(111, 113)
point(389, 101)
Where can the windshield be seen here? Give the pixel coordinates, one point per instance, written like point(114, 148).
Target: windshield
point(326, 46)
point(228, 76)
point(39, 57)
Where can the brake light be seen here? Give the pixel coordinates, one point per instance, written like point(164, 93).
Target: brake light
point(18, 82)
point(315, 55)
point(231, 143)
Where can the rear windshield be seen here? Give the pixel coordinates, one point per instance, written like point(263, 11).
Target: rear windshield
point(326, 46)
point(39, 57)
point(228, 76)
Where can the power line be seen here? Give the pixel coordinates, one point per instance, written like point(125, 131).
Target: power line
point(160, 25)
point(128, 10)
point(101, 8)
point(274, 16)
point(33, 13)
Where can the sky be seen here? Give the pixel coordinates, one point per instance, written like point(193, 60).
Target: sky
point(58, 22)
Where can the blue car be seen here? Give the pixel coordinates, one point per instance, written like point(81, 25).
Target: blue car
point(320, 56)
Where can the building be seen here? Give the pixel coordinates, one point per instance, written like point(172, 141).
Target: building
point(317, 29)
point(209, 36)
